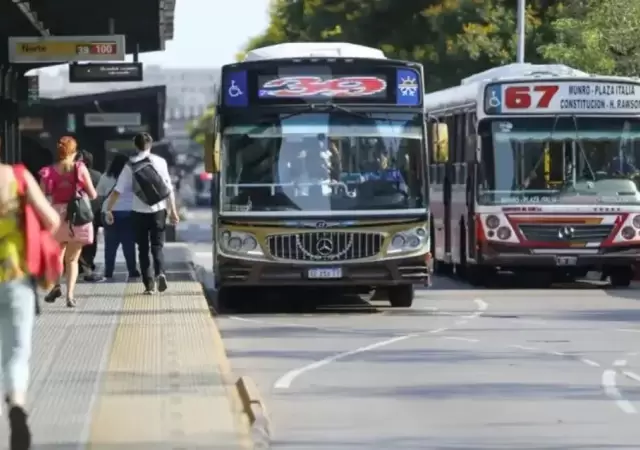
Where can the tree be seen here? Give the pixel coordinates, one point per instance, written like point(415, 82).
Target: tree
point(452, 38)
point(598, 36)
point(198, 128)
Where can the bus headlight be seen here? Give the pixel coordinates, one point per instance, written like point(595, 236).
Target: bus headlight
point(408, 241)
point(239, 242)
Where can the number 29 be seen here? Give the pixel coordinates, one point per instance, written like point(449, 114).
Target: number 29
point(520, 97)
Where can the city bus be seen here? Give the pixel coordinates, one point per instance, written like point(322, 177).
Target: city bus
point(535, 169)
point(319, 171)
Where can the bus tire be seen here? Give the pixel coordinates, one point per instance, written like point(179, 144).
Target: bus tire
point(401, 296)
point(621, 278)
point(227, 299)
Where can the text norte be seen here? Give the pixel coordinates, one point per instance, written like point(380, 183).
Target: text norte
point(33, 48)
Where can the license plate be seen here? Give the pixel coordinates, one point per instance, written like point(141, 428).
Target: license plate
point(566, 260)
point(325, 273)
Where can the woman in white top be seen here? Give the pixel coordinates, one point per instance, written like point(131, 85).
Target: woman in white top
point(121, 230)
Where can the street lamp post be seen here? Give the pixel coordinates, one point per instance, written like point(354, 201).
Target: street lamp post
point(521, 30)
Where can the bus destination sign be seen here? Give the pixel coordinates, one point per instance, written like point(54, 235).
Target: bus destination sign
point(563, 97)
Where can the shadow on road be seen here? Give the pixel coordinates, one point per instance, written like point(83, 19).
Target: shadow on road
point(296, 302)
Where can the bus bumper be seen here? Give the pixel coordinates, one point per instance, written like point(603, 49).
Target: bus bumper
point(508, 257)
point(415, 270)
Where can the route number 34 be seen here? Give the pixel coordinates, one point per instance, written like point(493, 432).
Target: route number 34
point(523, 97)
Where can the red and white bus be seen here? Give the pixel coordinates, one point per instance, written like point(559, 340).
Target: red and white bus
point(535, 168)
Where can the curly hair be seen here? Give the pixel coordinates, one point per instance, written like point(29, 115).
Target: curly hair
point(67, 146)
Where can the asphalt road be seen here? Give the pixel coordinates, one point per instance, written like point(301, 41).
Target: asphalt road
point(490, 369)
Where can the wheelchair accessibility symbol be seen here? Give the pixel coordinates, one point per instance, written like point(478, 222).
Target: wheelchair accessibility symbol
point(493, 102)
point(234, 90)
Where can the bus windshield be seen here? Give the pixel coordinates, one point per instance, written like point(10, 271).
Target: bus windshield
point(318, 162)
point(563, 159)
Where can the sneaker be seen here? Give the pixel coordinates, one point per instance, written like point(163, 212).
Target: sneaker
point(54, 294)
point(94, 278)
point(20, 433)
point(162, 282)
point(150, 287)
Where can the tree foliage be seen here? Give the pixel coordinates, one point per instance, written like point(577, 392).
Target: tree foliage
point(199, 127)
point(455, 38)
point(598, 36)
point(452, 38)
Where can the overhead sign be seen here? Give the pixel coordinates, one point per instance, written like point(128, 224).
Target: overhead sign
point(322, 83)
point(569, 97)
point(105, 72)
point(112, 119)
point(327, 87)
point(60, 49)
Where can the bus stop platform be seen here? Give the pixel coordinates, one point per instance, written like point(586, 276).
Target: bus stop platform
point(130, 371)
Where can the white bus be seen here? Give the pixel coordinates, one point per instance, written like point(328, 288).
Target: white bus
point(535, 169)
point(320, 177)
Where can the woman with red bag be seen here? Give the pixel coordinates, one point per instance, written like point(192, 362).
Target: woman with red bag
point(63, 182)
point(19, 191)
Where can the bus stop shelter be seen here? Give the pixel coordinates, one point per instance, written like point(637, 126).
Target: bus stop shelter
point(146, 24)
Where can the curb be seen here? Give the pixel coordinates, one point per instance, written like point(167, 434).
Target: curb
point(256, 411)
point(236, 401)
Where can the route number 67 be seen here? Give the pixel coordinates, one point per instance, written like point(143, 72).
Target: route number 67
point(521, 97)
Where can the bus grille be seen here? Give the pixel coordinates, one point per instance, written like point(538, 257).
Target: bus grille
point(557, 232)
point(325, 246)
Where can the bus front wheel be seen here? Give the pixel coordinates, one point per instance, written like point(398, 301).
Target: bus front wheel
point(401, 296)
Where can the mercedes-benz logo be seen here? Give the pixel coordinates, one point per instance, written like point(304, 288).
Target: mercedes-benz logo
point(324, 247)
point(566, 232)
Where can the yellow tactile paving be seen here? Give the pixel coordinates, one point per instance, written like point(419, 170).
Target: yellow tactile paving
point(162, 386)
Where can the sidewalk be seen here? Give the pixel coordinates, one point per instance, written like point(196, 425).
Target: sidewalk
point(129, 371)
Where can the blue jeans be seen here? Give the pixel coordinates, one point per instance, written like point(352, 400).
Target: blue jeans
point(120, 232)
point(17, 314)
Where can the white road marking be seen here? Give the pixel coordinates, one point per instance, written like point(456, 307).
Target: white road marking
point(628, 330)
point(632, 375)
point(558, 353)
point(612, 391)
point(285, 381)
point(620, 363)
point(590, 362)
point(524, 347)
point(458, 338)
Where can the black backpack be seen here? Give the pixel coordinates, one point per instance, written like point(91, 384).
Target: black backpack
point(148, 185)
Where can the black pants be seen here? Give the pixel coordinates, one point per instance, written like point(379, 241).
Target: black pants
point(88, 255)
point(150, 235)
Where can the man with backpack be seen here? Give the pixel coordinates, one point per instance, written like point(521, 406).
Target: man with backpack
point(147, 176)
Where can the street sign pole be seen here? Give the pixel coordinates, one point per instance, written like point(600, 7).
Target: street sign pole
point(521, 30)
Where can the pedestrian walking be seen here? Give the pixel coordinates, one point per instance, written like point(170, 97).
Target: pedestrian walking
point(87, 262)
point(69, 186)
point(121, 231)
point(19, 192)
point(147, 176)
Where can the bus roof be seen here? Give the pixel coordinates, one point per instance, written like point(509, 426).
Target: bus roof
point(314, 49)
point(467, 92)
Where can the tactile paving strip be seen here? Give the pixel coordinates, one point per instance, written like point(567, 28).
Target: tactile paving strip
point(70, 349)
point(163, 386)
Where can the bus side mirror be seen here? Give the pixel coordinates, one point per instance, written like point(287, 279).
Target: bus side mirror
point(212, 148)
point(440, 142)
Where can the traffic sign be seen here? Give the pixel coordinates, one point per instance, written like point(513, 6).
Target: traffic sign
point(105, 72)
point(59, 49)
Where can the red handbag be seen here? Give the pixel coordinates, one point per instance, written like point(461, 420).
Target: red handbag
point(42, 251)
